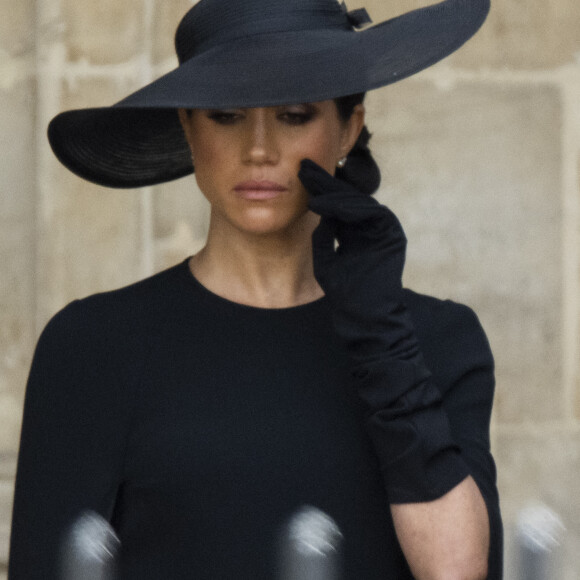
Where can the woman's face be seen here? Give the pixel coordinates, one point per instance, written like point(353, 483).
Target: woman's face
point(247, 160)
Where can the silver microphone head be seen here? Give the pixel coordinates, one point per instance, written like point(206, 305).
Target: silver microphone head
point(310, 547)
point(89, 549)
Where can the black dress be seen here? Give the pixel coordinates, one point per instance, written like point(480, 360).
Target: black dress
point(198, 426)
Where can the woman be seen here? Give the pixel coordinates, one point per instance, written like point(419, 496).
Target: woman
point(198, 410)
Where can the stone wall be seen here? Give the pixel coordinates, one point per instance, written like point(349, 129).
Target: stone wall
point(480, 158)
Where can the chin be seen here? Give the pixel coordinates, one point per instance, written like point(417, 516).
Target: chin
point(266, 229)
point(263, 222)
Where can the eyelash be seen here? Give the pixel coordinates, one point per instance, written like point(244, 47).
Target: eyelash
point(291, 118)
point(223, 117)
point(296, 119)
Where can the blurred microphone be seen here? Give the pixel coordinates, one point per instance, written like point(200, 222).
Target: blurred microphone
point(539, 533)
point(89, 549)
point(310, 547)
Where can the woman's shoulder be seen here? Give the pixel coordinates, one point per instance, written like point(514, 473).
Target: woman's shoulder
point(141, 298)
point(451, 335)
point(435, 318)
point(131, 311)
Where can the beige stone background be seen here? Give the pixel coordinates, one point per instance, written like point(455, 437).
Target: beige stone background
point(480, 157)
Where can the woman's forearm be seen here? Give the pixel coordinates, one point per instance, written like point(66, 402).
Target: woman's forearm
point(448, 538)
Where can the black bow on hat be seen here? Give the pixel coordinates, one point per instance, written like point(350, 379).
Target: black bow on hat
point(357, 18)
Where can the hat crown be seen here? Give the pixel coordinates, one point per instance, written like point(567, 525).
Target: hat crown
point(215, 22)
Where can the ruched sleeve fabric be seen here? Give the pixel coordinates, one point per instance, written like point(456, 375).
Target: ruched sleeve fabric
point(458, 354)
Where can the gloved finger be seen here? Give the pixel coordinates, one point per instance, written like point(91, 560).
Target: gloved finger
point(318, 181)
point(357, 219)
point(324, 236)
point(334, 198)
point(348, 209)
point(360, 219)
point(323, 248)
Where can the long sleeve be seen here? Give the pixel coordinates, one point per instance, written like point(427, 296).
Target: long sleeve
point(458, 353)
point(77, 410)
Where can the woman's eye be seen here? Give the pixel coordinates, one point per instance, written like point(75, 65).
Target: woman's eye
point(296, 118)
point(224, 117)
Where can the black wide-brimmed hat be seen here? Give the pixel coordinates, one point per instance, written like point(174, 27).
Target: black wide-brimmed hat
point(254, 53)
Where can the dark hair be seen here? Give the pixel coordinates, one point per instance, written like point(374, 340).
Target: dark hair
point(361, 170)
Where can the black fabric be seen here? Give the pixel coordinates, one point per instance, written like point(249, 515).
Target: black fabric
point(362, 278)
point(199, 426)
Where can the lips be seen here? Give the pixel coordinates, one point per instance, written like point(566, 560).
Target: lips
point(259, 190)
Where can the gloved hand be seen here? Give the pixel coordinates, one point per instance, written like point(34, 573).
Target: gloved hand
point(362, 279)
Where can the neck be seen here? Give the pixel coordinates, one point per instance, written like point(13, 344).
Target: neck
point(266, 271)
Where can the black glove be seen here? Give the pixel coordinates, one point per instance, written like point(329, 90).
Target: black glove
point(362, 280)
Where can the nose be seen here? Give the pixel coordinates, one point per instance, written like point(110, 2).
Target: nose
point(261, 144)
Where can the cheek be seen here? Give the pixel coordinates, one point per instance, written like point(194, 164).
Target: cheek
point(210, 164)
point(323, 147)
point(206, 152)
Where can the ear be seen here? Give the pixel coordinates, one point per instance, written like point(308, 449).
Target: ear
point(352, 129)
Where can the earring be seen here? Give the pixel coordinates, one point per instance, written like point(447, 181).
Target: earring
point(341, 163)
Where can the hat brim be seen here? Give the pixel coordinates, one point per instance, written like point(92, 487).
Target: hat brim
point(139, 141)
